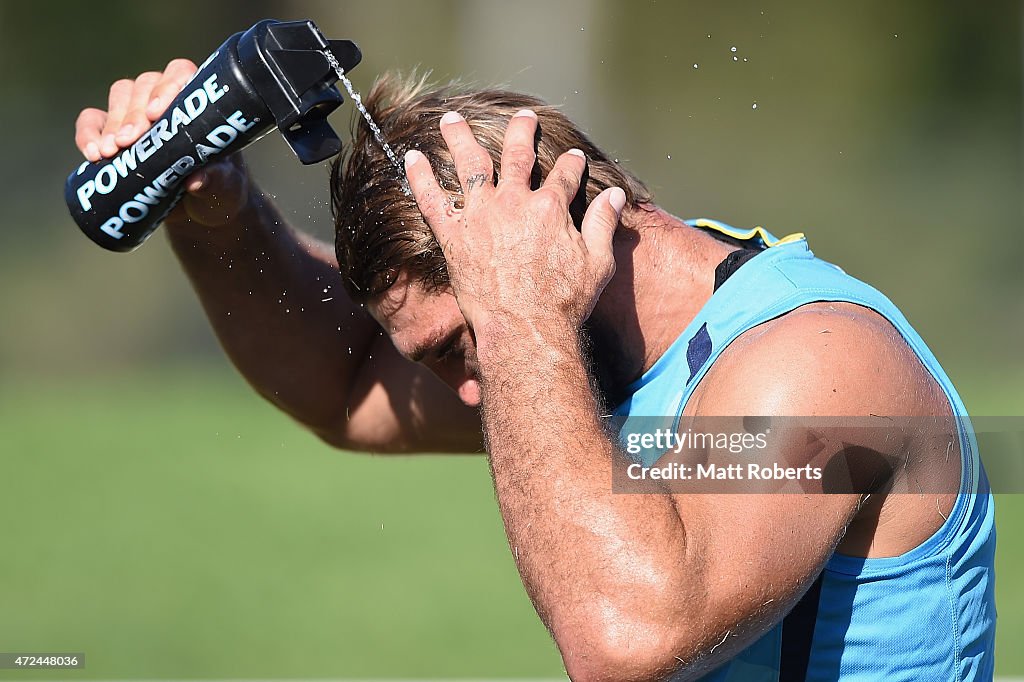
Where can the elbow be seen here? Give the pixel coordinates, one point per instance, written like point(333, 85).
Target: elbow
point(358, 443)
point(337, 439)
point(362, 435)
point(334, 432)
point(624, 650)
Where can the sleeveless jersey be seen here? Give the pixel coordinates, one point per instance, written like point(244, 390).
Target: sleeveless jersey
point(928, 614)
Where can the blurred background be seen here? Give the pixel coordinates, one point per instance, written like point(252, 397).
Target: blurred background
point(161, 518)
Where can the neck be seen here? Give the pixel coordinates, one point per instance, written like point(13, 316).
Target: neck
point(665, 273)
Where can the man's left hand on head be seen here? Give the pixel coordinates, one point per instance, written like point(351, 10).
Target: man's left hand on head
point(513, 253)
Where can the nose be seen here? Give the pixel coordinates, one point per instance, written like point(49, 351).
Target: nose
point(469, 392)
point(460, 379)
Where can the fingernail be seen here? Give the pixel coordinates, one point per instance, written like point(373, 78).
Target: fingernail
point(412, 156)
point(451, 117)
point(92, 152)
point(126, 130)
point(577, 152)
point(526, 112)
point(108, 143)
point(155, 106)
point(617, 199)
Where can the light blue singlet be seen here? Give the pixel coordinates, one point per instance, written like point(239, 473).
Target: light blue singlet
point(928, 614)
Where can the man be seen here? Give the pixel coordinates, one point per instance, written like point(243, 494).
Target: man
point(556, 292)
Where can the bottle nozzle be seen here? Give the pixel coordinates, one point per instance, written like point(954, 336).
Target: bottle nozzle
point(297, 82)
point(347, 53)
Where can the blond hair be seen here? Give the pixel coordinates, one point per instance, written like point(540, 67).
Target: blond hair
point(379, 229)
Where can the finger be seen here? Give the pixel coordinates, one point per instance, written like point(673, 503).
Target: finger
point(135, 120)
point(434, 203)
point(517, 151)
point(216, 193)
point(88, 130)
point(600, 222)
point(566, 174)
point(225, 175)
point(175, 77)
point(472, 162)
point(196, 182)
point(117, 107)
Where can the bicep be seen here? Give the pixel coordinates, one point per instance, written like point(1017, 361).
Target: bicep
point(758, 553)
point(757, 549)
point(757, 542)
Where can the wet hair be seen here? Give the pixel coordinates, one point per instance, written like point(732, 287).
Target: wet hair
point(379, 230)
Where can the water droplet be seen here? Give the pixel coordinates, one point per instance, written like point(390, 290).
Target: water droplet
point(670, 156)
point(744, 59)
point(754, 105)
point(695, 65)
point(735, 59)
point(732, 49)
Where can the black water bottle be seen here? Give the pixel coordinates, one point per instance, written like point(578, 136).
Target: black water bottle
point(275, 75)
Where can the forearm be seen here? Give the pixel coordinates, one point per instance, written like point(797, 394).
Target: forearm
point(275, 300)
point(605, 571)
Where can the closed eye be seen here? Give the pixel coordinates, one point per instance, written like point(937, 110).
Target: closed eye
point(448, 350)
point(429, 352)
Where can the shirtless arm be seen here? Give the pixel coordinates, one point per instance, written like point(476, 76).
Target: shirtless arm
point(274, 298)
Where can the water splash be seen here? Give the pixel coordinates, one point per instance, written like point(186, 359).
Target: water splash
point(374, 128)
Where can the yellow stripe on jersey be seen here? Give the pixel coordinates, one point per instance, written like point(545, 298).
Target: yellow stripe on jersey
point(737, 233)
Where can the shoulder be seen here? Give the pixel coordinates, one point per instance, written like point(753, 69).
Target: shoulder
point(820, 359)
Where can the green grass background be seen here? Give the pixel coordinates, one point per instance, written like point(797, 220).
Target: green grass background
point(171, 525)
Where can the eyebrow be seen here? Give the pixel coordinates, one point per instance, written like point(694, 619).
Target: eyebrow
point(417, 353)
